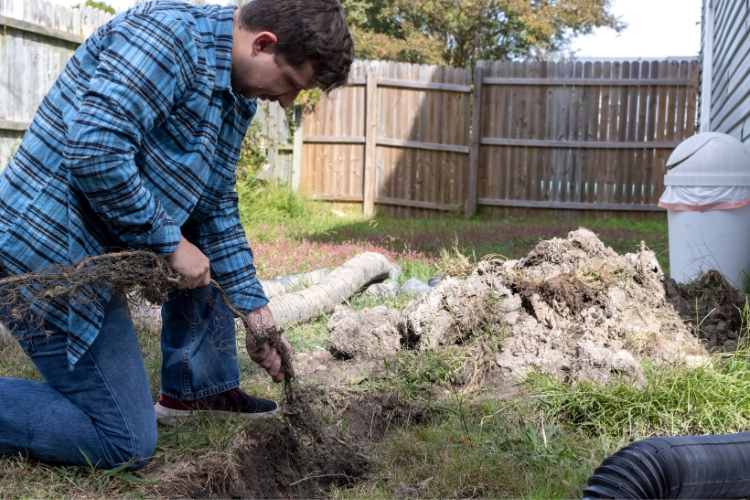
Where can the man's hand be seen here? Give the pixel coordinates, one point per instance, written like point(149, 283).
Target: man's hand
point(261, 321)
point(190, 261)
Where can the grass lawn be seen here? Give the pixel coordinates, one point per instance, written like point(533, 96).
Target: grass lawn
point(542, 444)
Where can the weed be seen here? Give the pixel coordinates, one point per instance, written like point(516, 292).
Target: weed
point(455, 263)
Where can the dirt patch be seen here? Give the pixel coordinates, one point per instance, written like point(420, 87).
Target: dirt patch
point(277, 461)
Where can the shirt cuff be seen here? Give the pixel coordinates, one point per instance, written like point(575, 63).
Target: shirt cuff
point(164, 239)
point(250, 298)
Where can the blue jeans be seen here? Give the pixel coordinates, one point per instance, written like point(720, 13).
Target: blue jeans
point(103, 407)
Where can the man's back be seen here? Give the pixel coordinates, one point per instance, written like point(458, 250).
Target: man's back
point(138, 138)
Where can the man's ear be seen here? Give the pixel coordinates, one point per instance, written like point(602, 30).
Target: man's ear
point(265, 41)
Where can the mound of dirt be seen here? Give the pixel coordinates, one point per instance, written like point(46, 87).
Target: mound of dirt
point(586, 312)
point(712, 307)
point(573, 308)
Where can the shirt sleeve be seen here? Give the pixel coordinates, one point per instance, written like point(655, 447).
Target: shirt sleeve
point(222, 239)
point(146, 64)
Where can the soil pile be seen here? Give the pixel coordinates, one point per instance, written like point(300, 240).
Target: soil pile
point(712, 307)
point(572, 308)
point(586, 312)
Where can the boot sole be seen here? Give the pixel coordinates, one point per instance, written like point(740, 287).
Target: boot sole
point(166, 415)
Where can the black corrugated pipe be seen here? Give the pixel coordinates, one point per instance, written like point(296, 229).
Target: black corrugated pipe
point(676, 467)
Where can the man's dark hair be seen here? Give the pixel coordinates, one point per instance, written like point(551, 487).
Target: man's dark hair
point(307, 30)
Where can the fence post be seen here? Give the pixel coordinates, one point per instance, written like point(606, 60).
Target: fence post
point(476, 135)
point(299, 140)
point(371, 131)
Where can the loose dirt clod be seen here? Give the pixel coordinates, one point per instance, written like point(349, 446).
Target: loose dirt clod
point(712, 306)
point(449, 313)
point(367, 334)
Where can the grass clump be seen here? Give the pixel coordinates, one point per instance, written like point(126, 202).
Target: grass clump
point(456, 262)
point(676, 400)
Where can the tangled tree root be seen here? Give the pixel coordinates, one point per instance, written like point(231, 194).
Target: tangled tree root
point(136, 275)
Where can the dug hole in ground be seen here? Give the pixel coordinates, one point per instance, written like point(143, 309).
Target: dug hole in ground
point(572, 308)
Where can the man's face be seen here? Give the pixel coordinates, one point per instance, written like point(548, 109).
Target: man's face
point(256, 72)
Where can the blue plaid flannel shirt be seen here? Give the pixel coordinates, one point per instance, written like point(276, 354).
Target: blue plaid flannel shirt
point(136, 143)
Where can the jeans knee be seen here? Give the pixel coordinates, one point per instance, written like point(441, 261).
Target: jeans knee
point(138, 449)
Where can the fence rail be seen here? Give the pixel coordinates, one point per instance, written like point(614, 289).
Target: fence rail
point(544, 135)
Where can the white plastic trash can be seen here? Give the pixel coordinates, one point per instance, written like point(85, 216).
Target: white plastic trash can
point(708, 201)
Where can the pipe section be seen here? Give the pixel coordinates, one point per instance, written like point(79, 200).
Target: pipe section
point(676, 467)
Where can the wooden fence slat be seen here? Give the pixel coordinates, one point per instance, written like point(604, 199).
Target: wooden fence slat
point(622, 164)
point(371, 115)
point(661, 130)
point(594, 157)
point(520, 174)
point(535, 123)
point(601, 174)
point(582, 155)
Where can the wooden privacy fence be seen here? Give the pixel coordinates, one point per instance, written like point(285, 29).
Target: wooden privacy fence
point(581, 136)
point(37, 40)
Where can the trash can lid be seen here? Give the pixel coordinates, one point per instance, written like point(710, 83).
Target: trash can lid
point(709, 159)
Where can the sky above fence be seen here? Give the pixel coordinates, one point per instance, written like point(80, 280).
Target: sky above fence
point(656, 29)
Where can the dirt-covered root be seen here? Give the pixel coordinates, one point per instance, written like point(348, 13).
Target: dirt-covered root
point(275, 461)
point(710, 306)
point(137, 275)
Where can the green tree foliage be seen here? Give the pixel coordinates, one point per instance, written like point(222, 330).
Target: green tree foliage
point(460, 32)
point(97, 5)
